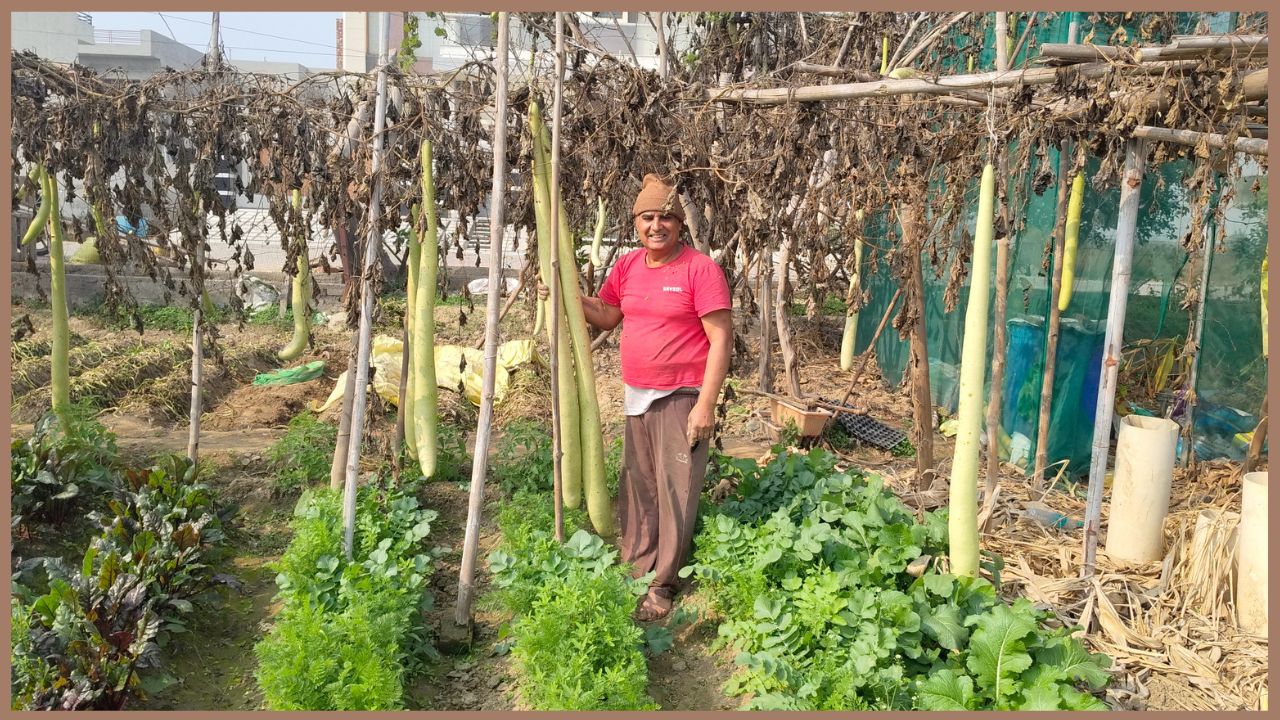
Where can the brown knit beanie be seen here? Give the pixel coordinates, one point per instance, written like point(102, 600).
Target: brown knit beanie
point(658, 195)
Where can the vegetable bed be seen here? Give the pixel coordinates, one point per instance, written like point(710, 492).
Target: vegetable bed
point(82, 635)
point(571, 634)
point(349, 633)
point(829, 591)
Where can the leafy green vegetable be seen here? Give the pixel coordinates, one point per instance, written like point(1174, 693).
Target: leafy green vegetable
point(61, 469)
point(807, 567)
point(348, 633)
point(575, 645)
point(80, 645)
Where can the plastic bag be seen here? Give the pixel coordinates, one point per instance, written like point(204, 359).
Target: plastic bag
point(452, 373)
point(289, 376)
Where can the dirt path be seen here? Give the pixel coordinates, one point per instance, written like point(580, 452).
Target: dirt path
point(212, 665)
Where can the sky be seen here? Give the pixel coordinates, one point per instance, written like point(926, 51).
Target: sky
point(308, 38)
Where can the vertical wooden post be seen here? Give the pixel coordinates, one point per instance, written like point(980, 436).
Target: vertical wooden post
point(1121, 271)
point(1206, 257)
point(372, 248)
point(918, 363)
point(480, 461)
point(765, 295)
point(197, 277)
point(1053, 317)
point(557, 351)
point(1000, 340)
point(197, 354)
point(790, 367)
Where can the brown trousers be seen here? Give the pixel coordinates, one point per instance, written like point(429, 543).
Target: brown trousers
point(658, 490)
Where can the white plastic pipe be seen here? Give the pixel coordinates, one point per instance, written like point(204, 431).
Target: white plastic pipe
point(1251, 592)
point(1140, 494)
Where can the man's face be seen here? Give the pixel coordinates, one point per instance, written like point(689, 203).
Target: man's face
point(658, 232)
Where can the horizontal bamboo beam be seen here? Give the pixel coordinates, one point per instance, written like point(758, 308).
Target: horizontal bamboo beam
point(887, 87)
point(1218, 41)
point(833, 71)
point(1252, 146)
point(1243, 45)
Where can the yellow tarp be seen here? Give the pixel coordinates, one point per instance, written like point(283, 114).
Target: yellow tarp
point(451, 373)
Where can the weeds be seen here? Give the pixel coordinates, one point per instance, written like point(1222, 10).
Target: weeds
point(523, 461)
point(170, 318)
point(304, 455)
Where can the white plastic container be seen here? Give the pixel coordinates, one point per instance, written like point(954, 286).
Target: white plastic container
point(1145, 455)
point(1251, 561)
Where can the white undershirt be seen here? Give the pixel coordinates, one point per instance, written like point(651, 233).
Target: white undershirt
point(636, 401)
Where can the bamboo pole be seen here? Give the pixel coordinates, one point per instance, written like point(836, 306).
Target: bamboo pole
point(886, 87)
point(866, 354)
point(1053, 317)
point(373, 244)
point(931, 38)
point(480, 461)
point(197, 316)
point(1000, 340)
point(1121, 270)
point(338, 469)
point(197, 355)
point(664, 52)
point(1206, 267)
point(765, 374)
point(833, 71)
point(1002, 41)
point(557, 350)
point(1240, 47)
point(1252, 146)
point(902, 44)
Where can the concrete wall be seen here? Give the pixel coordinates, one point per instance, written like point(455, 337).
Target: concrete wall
point(85, 285)
point(54, 36)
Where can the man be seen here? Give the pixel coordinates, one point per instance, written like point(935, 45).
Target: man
point(675, 350)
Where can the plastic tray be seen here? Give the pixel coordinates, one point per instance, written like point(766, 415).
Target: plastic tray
point(869, 430)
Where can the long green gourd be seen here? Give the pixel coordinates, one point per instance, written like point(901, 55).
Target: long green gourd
point(1071, 241)
point(59, 374)
point(598, 238)
point(963, 521)
point(410, 310)
point(424, 326)
point(570, 425)
point(850, 337)
point(599, 505)
point(301, 293)
point(41, 217)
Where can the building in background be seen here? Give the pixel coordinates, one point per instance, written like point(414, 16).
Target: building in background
point(70, 37)
point(449, 40)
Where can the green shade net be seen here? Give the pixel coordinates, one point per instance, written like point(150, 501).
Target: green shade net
point(1232, 375)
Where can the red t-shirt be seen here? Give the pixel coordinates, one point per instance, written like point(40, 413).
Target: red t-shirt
point(663, 344)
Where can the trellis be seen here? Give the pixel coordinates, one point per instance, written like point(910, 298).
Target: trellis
point(768, 160)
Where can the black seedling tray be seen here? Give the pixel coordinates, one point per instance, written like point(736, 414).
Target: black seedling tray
point(868, 429)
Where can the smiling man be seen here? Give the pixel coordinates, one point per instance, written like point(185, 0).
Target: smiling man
point(675, 353)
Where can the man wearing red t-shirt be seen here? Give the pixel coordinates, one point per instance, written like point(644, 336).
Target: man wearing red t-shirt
point(675, 353)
